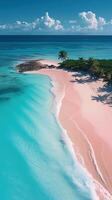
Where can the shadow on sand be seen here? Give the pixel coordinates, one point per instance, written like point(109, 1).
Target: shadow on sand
point(103, 94)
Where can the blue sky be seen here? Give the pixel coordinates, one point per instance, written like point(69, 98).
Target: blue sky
point(56, 17)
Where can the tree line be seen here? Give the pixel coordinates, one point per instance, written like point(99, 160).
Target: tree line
point(97, 68)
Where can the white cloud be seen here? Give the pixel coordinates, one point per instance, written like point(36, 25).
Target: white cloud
point(89, 18)
point(22, 25)
point(88, 22)
point(3, 26)
point(43, 23)
point(48, 21)
point(101, 22)
point(18, 22)
point(72, 21)
point(51, 23)
point(91, 21)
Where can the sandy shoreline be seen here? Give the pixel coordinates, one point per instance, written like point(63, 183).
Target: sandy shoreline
point(88, 124)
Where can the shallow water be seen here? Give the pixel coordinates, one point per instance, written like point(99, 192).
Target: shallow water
point(35, 160)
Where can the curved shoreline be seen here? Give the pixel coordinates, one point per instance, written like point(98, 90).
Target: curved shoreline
point(96, 173)
point(58, 101)
point(80, 129)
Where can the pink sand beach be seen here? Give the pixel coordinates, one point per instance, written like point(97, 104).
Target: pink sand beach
point(88, 124)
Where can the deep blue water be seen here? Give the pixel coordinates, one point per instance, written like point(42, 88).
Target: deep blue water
point(35, 161)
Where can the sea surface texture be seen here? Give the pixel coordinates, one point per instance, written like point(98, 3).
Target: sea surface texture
point(36, 159)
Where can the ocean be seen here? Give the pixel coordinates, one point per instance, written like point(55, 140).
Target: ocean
point(36, 159)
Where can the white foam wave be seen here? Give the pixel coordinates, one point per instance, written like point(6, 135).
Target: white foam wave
point(93, 185)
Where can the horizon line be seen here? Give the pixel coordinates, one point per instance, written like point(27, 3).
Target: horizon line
point(55, 35)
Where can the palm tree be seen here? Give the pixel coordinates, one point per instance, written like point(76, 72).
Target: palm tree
point(63, 55)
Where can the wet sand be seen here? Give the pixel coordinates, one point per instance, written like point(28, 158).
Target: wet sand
point(88, 124)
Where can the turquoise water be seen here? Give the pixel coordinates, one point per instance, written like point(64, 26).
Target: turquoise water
point(36, 163)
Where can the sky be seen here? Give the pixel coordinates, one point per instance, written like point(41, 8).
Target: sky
point(56, 17)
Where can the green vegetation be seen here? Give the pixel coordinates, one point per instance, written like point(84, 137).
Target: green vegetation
point(63, 55)
point(97, 68)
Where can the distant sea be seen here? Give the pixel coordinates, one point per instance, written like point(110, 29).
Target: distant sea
point(36, 162)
